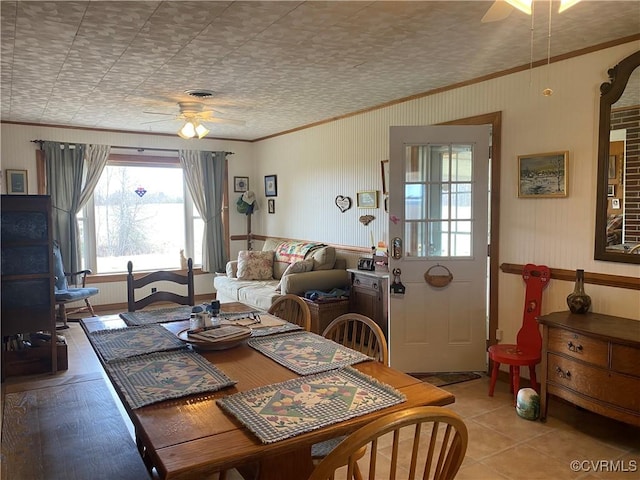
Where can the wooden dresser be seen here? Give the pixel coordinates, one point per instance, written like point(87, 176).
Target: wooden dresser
point(593, 361)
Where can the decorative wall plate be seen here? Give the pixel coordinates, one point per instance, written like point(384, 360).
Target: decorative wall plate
point(343, 203)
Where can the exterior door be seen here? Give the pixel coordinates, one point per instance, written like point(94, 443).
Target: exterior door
point(438, 231)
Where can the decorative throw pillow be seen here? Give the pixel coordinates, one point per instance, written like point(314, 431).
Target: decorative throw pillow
point(232, 269)
point(297, 267)
point(255, 265)
point(323, 258)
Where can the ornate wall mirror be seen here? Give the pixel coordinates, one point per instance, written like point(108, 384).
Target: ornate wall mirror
point(617, 235)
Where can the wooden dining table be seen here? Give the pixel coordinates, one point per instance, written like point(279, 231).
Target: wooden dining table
point(191, 437)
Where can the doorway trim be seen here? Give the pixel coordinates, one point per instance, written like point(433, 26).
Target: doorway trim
point(495, 120)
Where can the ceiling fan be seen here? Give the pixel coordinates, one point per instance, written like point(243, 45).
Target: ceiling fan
point(501, 9)
point(194, 114)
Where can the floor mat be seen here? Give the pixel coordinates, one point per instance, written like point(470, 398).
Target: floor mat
point(440, 379)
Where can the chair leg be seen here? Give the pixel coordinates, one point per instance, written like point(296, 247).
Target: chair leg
point(90, 307)
point(494, 378)
point(62, 314)
point(534, 380)
point(516, 382)
point(510, 378)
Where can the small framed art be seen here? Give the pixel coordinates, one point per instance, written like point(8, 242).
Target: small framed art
point(611, 190)
point(17, 182)
point(271, 205)
point(615, 203)
point(240, 184)
point(271, 186)
point(368, 199)
point(543, 175)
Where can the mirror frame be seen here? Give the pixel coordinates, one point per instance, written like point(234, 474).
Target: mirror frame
point(610, 93)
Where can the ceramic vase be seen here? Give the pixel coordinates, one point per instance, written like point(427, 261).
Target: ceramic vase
point(579, 301)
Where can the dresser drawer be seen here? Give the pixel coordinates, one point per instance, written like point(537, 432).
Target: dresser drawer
point(579, 346)
point(606, 386)
point(625, 359)
point(366, 282)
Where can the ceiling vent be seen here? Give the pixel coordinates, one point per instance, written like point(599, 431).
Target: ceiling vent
point(200, 93)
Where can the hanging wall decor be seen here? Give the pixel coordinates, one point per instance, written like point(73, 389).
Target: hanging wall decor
point(366, 219)
point(343, 203)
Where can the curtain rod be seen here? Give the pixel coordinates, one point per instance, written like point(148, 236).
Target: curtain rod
point(139, 149)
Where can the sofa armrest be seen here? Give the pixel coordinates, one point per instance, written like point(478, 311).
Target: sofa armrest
point(232, 269)
point(325, 280)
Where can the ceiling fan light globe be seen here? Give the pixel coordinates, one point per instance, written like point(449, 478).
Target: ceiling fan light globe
point(187, 131)
point(522, 5)
point(201, 130)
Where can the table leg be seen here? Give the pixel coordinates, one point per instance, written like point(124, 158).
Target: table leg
point(295, 465)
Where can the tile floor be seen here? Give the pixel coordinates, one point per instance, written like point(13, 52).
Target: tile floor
point(501, 444)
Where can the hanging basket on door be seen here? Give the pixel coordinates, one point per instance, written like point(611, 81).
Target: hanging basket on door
point(438, 280)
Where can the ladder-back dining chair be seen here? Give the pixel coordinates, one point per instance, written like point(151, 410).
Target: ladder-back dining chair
point(70, 287)
point(419, 442)
point(293, 309)
point(134, 284)
point(527, 349)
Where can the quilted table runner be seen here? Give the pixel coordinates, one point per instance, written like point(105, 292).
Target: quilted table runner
point(283, 410)
point(165, 375)
point(133, 341)
point(306, 353)
point(159, 315)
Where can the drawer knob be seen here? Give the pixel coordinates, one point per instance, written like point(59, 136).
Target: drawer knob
point(563, 374)
point(375, 286)
point(574, 348)
point(356, 281)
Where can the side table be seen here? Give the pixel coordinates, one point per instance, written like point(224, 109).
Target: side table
point(325, 311)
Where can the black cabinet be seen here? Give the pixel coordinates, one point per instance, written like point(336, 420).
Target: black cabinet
point(28, 301)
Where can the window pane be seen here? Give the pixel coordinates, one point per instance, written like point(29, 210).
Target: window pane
point(139, 216)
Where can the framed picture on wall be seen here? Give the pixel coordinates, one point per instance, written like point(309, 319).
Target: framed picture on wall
point(240, 184)
point(17, 182)
point(543, 175)
point(615, 203)
point(368, 199)
point(612, 166)
point(611, 190)
point(271, 186)
point(271, 205)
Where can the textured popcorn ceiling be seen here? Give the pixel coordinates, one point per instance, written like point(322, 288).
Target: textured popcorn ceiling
point(274, 65)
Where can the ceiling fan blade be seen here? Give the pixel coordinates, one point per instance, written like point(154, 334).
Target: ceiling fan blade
point(159, 121)
point(498, 11)
point(159, 113)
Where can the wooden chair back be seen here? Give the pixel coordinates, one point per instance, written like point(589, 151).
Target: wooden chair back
point(293, 309)
point(134, 284)
point(420, 442)
point(360, 333)
point(536, 278)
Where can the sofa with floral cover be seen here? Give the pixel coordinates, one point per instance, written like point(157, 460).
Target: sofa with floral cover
point(258, 277)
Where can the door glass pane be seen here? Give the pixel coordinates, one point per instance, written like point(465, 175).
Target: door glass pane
point(438, 193)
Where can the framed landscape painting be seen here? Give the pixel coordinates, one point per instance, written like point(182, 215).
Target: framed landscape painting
point(543, 175)
point(17, 182)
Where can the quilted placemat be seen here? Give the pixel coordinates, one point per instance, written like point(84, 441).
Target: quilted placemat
point(306, 353)
point(283, 410)
point(133, 341)
point(157, 315)
point(165, 375)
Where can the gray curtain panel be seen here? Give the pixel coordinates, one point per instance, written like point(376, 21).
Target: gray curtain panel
point(72, 170)
point(204, 174)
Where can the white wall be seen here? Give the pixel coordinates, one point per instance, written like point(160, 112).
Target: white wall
point(342, 157)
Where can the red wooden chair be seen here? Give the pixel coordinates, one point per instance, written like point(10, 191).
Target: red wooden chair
point(526, 352)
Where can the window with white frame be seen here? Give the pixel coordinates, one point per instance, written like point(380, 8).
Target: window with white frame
point(141, 210)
